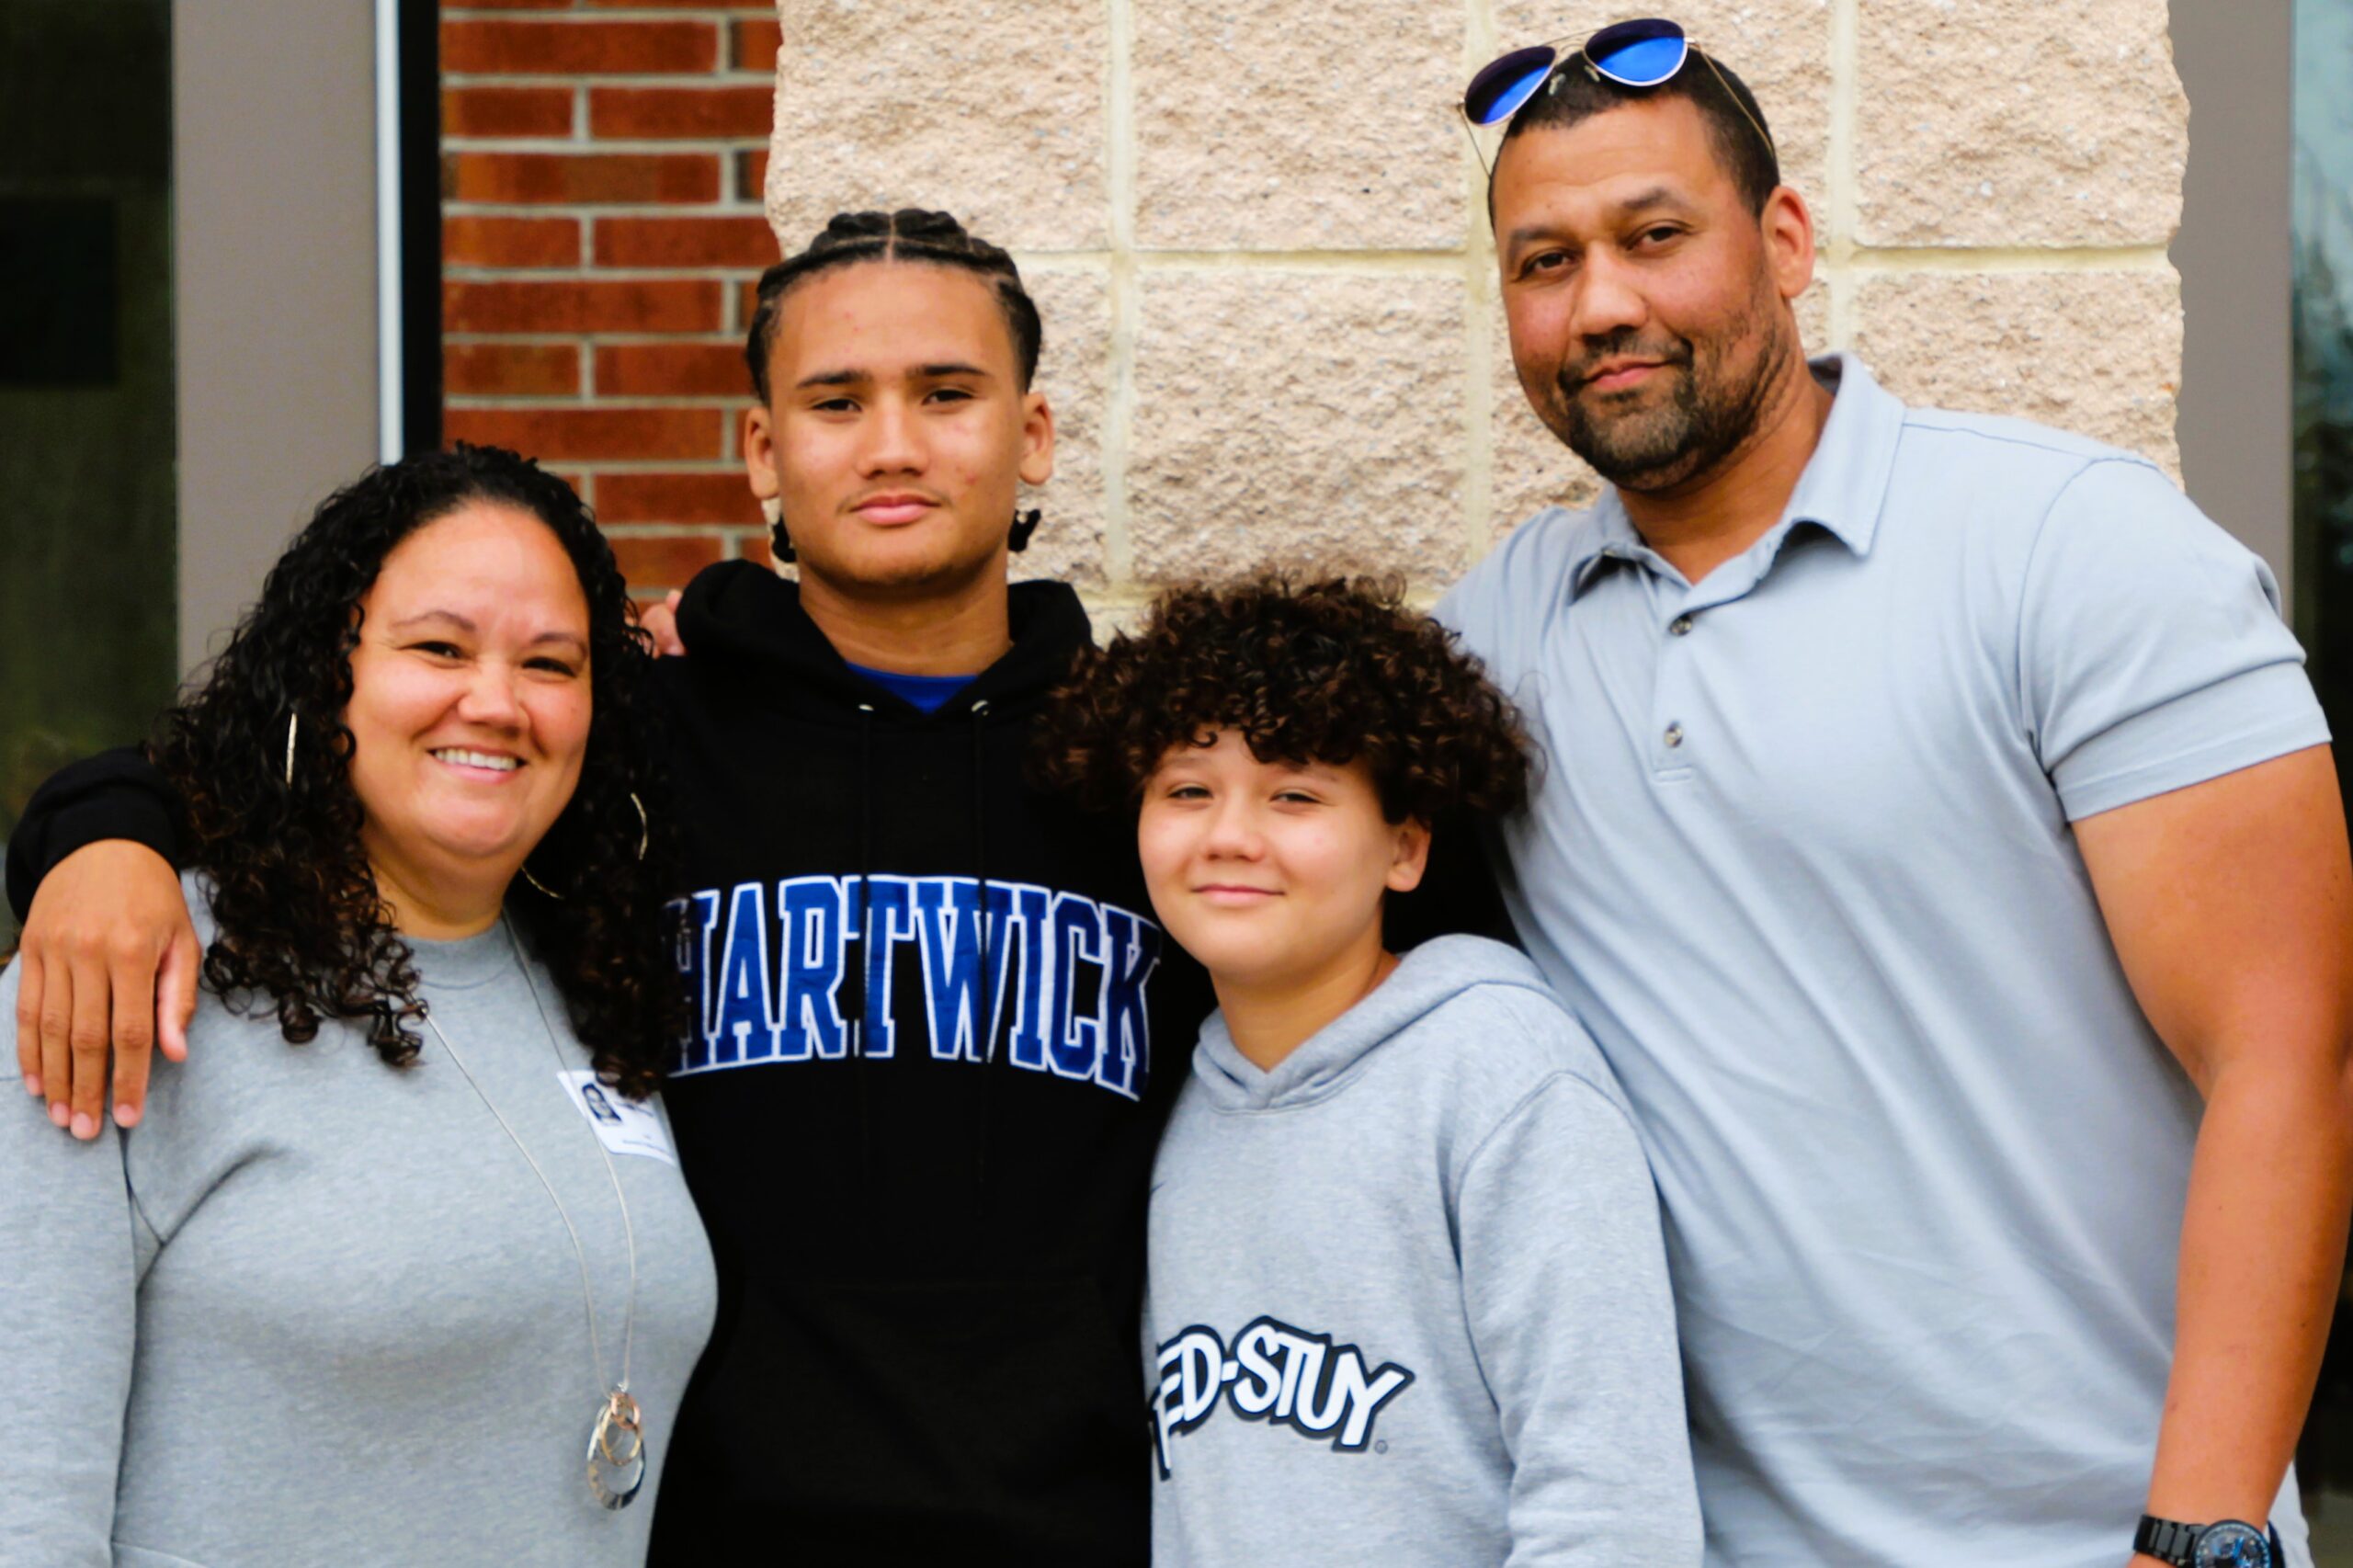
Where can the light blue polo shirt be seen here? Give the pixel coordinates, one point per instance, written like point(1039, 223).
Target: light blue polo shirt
point(1801, 860)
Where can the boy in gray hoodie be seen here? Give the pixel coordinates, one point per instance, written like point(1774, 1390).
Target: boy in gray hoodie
point(1408, 1301)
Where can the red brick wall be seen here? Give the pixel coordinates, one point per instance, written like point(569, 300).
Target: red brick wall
point(602, 163)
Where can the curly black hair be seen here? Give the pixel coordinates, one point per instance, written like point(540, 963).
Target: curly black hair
point(1331, 672)
point(303, 927)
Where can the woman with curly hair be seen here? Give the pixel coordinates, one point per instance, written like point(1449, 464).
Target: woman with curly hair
point(400, 1267)
point(1407, 1299)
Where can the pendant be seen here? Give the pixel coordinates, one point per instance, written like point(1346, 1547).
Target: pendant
point(617, 1452)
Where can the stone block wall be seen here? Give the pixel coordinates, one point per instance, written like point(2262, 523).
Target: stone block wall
point(1255, 230)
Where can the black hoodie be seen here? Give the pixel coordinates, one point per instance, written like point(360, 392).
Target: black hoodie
point(931, 1249)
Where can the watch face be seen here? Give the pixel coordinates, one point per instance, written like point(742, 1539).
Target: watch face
point(2232, 1545)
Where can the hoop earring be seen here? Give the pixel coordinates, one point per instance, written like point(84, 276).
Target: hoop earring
point(292, 722)
point(1024, 525)
point(780, 542)
point(644, 839)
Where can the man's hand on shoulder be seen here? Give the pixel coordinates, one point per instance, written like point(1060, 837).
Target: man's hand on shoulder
point(109, 962)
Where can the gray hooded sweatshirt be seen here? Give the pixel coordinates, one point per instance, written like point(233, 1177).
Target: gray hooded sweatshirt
point(1408, 1301)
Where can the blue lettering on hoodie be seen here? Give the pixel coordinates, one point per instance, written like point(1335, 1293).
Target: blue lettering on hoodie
point(1076, 1049)
point(1024, 932)
point(816, 939)
point(745, 1029)
point(699, 918)
point(951, 965)
point(1134, 953)
point(1065, 986)
point(890, 923)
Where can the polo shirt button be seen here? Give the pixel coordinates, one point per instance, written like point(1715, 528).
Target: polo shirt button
point(1680, 625)
point(1674, 736)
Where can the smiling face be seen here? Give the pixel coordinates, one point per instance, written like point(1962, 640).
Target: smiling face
point(469, 706)
point(1268, 873)
point(897, 431)
point(1648, 303)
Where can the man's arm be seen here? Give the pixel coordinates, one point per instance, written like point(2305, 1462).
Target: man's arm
point(1564, 1279)
point(116, 794)
point(108, 958)
point(2231, 906)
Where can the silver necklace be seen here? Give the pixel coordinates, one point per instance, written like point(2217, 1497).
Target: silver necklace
point(616, 1440)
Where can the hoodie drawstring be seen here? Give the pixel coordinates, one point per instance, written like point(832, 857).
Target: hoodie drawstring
point(865, 961)
point(984, 1027)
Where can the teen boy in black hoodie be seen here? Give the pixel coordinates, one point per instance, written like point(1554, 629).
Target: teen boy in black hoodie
point(937, 1030)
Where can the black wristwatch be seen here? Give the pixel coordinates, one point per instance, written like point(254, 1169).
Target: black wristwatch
point(2228, 1543)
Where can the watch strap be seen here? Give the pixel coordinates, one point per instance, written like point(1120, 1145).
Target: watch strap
point(2169, 1541)
point(2166, 1540)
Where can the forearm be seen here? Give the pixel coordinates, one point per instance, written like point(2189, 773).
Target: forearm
point(2262, 1253)
point(116, 794)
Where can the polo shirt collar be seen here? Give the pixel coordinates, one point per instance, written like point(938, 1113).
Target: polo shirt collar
point(1845, 482)
point(1841, 491)
point(1611, 537)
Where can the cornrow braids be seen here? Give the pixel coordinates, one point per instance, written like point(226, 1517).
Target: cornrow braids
point(908, 235)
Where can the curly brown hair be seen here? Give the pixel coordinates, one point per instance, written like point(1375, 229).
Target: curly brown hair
point(1334, 671)
point(302, 930)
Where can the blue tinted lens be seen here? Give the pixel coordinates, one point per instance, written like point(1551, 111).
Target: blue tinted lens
point(1516, 93)
point(1505, 84)
point(1642, 63)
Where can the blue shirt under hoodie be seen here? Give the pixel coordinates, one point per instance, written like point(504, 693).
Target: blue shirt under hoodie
point(1408, 1301)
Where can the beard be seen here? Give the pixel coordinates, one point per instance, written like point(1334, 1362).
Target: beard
point(1655, 436)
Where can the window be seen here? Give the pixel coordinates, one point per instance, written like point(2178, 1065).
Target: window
point(89, 497)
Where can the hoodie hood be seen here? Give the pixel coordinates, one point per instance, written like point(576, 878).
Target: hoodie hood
point(1425, 980)
point(741, 616)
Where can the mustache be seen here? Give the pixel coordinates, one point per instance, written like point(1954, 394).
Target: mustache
point(1628, 345)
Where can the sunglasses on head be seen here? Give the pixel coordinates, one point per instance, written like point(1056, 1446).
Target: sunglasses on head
point(1640, 53)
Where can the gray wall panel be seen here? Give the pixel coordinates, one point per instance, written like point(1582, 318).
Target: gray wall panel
point(2233, 253)
point(275, 246)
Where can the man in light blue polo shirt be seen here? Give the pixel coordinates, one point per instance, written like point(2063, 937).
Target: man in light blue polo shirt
point(1940, 837)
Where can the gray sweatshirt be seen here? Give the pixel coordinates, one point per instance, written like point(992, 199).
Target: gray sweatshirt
point(1408, 1302)
point(316, 1310)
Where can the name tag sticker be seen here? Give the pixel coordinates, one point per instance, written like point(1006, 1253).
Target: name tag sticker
point(624, 1126)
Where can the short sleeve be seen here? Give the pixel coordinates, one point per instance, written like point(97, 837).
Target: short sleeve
point(2151, 651)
